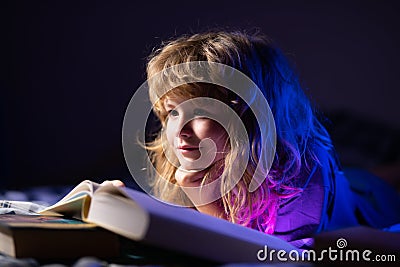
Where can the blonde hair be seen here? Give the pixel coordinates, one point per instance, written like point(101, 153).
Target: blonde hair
point(297, 133)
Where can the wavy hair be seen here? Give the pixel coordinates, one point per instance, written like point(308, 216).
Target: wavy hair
point(299, 133)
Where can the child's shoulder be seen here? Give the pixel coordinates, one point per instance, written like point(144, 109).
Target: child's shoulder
point(301, 215)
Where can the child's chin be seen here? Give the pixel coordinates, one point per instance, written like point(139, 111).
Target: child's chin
point(192, 166)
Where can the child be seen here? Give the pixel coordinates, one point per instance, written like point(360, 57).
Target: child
point(302, 190)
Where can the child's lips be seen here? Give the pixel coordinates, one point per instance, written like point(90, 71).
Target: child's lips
point(188, 149)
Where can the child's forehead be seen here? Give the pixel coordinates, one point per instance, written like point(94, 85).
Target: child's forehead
point(204, 94)
point(175, 101)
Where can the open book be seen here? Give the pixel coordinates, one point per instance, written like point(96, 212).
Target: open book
point(140, 217)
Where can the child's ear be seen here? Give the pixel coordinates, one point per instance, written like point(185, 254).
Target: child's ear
point(238, 106)
point(234, 102)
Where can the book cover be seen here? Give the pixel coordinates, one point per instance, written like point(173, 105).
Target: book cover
point(50, 237)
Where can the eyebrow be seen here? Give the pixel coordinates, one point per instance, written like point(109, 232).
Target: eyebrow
point(168, 103)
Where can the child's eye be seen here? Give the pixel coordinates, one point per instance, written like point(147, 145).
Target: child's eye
point(173, 113)
point(200, 112)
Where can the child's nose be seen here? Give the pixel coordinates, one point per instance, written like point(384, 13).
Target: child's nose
point(186, 130)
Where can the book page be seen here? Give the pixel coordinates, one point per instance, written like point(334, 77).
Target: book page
point(76, 203)
point(118, 214)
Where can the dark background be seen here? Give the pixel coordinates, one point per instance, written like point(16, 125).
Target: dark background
point(69, 69)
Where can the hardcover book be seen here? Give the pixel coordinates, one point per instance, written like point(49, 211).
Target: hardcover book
point(48, 237)
point(139, 217)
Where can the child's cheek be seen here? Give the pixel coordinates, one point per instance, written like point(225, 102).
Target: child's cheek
point(170, 134)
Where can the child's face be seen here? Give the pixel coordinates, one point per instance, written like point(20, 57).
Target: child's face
point(196, 139)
